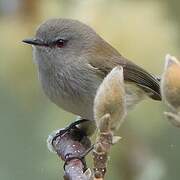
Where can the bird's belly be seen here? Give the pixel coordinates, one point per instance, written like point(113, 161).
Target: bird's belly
point(76, 106)
point(83, 106)
point(73, 95)
point(77, 96)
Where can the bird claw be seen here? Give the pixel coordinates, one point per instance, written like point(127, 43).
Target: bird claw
point(81, 157)
point(60, 132)
point(75, 158)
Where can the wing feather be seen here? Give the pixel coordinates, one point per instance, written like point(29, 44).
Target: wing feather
point(132, 73)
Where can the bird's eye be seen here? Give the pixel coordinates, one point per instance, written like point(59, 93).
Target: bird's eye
point(60, 43)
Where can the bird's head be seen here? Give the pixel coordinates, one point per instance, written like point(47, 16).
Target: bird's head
point(60, 41)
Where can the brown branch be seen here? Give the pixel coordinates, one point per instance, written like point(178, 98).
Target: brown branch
point(69, 146)
point(104, 142)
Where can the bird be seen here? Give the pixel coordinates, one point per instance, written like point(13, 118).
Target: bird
point(72, 61)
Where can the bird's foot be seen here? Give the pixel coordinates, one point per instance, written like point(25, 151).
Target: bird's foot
point(71, 144)
point(81, 157)
point(73, 127)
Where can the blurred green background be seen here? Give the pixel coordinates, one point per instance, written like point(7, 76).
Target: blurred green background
point(142, 30)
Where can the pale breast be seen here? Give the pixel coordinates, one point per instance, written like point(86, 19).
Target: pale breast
point(73, 91)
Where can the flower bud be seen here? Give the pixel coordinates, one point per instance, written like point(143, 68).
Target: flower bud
point(110, 99)
point(170, 83)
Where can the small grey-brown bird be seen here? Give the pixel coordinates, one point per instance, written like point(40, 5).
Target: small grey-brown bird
point(72, 61)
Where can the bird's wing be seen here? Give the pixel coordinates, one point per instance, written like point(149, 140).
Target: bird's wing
point(149, 83)
point(132, 73)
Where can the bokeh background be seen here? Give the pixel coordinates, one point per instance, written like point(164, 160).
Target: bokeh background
point(142, 30)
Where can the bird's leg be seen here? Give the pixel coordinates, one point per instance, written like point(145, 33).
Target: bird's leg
point(87, 127)
point(72, 143)
point(83, 127)
point(70, 127)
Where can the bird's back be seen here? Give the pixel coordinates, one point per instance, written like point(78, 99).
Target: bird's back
point(104, 57)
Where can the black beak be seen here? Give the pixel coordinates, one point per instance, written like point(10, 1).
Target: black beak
point(33, 41)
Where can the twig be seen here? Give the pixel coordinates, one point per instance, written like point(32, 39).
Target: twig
point(102, 148)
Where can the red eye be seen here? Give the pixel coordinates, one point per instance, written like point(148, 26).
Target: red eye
point(60, 43)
